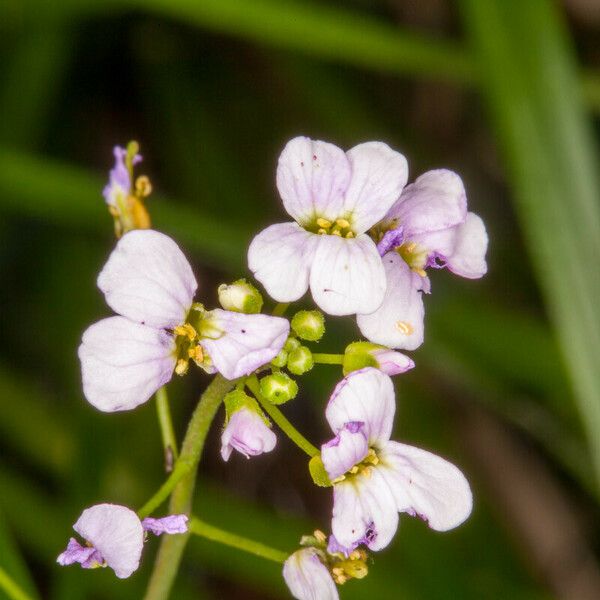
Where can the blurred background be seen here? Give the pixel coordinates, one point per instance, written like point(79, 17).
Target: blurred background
point(507, 385)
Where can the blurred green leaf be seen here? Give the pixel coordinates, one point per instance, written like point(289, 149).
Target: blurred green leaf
point(529, 76)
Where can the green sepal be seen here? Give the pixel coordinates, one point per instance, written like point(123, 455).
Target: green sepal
point(358, 355)
point(318, 472)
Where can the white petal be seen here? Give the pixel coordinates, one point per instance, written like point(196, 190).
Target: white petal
point(123, 363)
point(365, 396)
point(378, 176)
point(280, 257)
point(426, 485)
point(470, 247)
point(247, 433)
point(348, 448)
point(148, 279)
point(116, 532)
point(398, 322)
point(248, 342)
point(312, 177)
point(347, 275)
point(364, 511)
point(435, 201)
point(308, 578)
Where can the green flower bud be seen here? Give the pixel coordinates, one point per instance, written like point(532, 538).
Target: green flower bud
point(237, 399)
point(291, 344)
point(358, 355)
point(309, 325)
point(318, 472)
point(278, 388)
point(280, 359)
point(300, 361)
point(240, 296)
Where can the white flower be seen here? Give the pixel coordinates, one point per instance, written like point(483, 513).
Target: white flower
point(149, 283)
point(334, 197)
point(307, 577)
point(375, 478)
point(246, 432)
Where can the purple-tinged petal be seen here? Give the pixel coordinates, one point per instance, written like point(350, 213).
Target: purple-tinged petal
point(347, 276)
point(148, 280)
point(308, 578)
point(312, 177)
point(391, 239)
point(170, 524)
point(391, 362)
point(280, 257)
point(248, 341)
point(398, 322)
point(119, 182)
point(378, 176)
point(348, 448)
point(426, 485)
point(365, 396)
point(470, 247)
point(116, 533)
point(123, 363)
point(75, 553)
point(247, 433)
point(434, 202)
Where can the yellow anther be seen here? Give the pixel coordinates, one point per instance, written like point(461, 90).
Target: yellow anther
point(338, 479)
point(354, 555)
point(354, 470)
point(336, 232)
point(404, 327)
point(139, 214)
point(350, 234)
point(182, 366)
point(367, 471)
point(410, 248)
point(324, 223)
point(196, 354)
point(322, 231)
point(143, 187)
point(185, 330)
point(343, 223)
point(320, 536)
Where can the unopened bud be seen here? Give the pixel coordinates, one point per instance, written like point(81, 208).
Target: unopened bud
point(300, 361)
point(309, 325)
point(240, 296)
point(281, 359)
point(291, 344)
point(278, 388)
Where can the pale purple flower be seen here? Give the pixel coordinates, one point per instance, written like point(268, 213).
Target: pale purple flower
point(334, 197)
point(375, 478)
point(170, 524)
point(150, 284)
point(428, 226)
point(392, 363)
point(247, 432)
point(119, 181)
point(307, 577)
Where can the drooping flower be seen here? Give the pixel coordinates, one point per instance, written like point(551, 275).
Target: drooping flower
point(149, 283)
point(374, 478)
point(307, 576)
point(428, 226)
point(334, 197)
point(114, 537)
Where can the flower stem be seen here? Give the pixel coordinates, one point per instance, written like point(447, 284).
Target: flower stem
point(172, 546)
point(328, 359)
point(280, 419)
point(280, 309)
point(166, 428)
point(210, 532)
point(14, 592)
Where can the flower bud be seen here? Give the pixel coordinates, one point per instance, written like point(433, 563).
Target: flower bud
point(291, 344)
point(359, 355)
point(281, 359)
point(240, 296)
point(300, 361)
point(309, 325)
point(278, 388)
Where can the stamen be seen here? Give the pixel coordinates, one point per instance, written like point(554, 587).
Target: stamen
point(336, 232)
point(405, 327)
point(185, 330)
point(196, 354)
point(350, 234)
point(182, 366)
point(320, 536)
point(143, 187)
point(324, 223)
point(354, 470)
point(322, 231)
point(342, 223)
point(410, 248)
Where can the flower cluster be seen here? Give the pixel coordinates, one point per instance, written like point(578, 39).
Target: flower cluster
point(362, 241)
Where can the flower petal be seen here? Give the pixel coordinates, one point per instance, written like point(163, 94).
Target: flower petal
point(348, 448)
point(365, 396)
point(470, 247)
point(398, 322)
point(123, 363)
point(378, 176)
point(247, 433)
point(248, 341)
point(171, 524)
point(435, 201)
point(148, 280)
point(116, 532)
point(312, 177)
point(280, 257)
point(308, 578)
point(392, 363)
point(119, 182)
point(347, 275)
point(426, 485)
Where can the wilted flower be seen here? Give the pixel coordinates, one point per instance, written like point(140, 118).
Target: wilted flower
point(114, 537)
point(334, 197)
point(374, 478)
point(149, 283)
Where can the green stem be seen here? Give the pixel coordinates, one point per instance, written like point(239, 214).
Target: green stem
point(280, 309)
point(216, 534)
point(166, 428)
point(172, 546)
point(12, 589)
point(328, 359)
point(280, 419)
